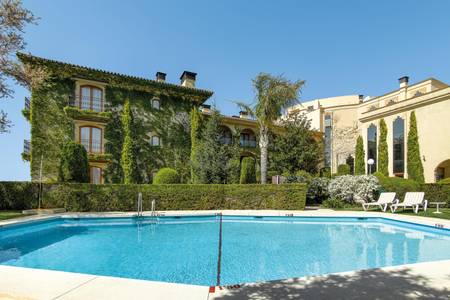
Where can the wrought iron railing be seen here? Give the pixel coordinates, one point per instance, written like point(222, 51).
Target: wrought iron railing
point(248, 143)
point(90, 103)
point(92, 146)
point(26, 146)
point(27, 103)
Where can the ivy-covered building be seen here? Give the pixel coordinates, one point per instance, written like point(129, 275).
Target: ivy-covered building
point(84, 104)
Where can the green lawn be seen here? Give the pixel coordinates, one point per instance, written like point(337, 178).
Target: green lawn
point(8, 214)
point(429, 213)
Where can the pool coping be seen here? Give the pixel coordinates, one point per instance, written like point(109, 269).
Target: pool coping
point(27, 283)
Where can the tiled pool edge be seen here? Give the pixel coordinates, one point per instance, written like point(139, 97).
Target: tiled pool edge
point(433, 222)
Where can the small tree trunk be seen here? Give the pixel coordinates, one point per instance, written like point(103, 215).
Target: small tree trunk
point(263, 145)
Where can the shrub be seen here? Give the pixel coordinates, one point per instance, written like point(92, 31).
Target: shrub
point(248, 171)
point(325, 172)
point(128, 160)
point(18, 195)
point(343, 169)
point(334, 203)
point(353, 188)
point(436, 192)
point(166, 176)
point(74, 166)
point(444, 181)
point(395, 184)
point(383, 156)
point(299, 177)
point(317, 190)
point(360, 165)
point(414, 165)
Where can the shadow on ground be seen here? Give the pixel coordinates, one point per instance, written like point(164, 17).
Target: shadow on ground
point(366, 284)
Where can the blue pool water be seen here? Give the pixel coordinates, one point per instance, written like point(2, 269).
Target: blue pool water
point(185, 250)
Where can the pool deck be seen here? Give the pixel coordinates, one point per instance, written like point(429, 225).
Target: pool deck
point(430, 280)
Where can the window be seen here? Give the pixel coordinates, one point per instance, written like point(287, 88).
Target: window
point(96, 175)
point(155, 141)
point(156, 103)
point(372, 148)
point(91, 98)
point(225, 135)
point(248, 139)
point(91, 139)
point(327, 141)
point(398, 144)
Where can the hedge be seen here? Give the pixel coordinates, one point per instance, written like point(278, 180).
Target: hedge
point(119, 197)
point(436, 192)
point(166, 176)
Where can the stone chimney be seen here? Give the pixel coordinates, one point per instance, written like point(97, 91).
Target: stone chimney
point(160, 76)
point(243, 114)
point(206, 109)
point(403, 92)
point(188, 79)
point(361, 98)
point(403, 81)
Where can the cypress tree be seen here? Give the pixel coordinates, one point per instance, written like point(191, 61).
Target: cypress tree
point(248, 171)
point(195, 137)
point(383, 156)
point(360, 157)
point(414, 161)
point(128, 157)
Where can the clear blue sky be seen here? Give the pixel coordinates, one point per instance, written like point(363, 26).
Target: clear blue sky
point(338, 47)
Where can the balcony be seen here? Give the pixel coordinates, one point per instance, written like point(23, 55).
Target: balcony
point(26, 150)
point(248, 143)
point(92, 146)
point(95, 104)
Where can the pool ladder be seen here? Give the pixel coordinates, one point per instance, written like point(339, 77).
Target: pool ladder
point(140, 206)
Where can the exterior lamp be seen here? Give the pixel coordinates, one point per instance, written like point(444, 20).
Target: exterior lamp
point(370, 162)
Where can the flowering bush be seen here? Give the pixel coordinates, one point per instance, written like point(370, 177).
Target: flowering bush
point(351, 188)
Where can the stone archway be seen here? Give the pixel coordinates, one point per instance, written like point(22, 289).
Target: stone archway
point(442, 170)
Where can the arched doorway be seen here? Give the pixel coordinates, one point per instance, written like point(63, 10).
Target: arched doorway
point(226, 136)
point(442, 170)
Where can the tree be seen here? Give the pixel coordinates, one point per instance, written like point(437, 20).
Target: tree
point(128, 158)
point(13, 19)
point(360, 168)
point(248, 171)
point(195, 140)
point(74, 166)
point(414, 161)
point(350, 161)
point(273, 95)
point(295, 148)
point(383, 156)
point(211, 161)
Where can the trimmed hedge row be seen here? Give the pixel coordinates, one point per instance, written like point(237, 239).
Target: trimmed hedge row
point(117, 197)
point(435, 192)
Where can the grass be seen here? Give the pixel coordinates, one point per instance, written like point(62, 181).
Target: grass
point(8, 214)
point(429, 213)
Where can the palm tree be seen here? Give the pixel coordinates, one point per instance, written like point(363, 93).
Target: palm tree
point(273, 94)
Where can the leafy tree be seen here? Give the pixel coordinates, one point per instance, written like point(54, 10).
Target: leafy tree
point(234, 163)
point(211, 161)
point(383, 158)
point(360, 168)
point(13, 19)
point(74, 166)
point(414, 161)
point(295, 148)
point(128, 159)
point(248, 171)
point(273, 94)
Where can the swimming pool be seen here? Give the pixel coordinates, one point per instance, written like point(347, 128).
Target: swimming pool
point(212, 250)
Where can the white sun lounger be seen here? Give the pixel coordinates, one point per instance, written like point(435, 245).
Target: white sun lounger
point(383, 201)
point(413, 200)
